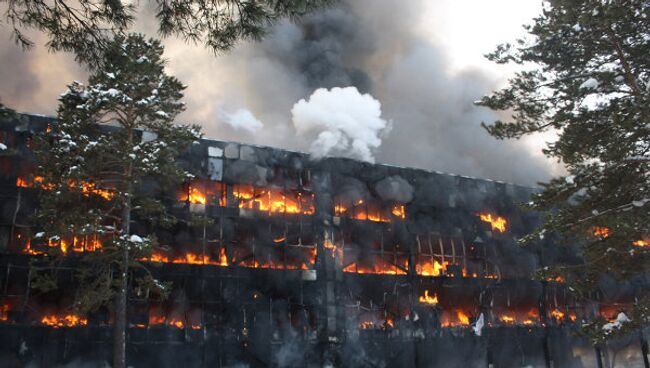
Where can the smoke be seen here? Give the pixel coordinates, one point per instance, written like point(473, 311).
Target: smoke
point(395, 188)
point(377, 46)
point(241, 119)
point(345, 122)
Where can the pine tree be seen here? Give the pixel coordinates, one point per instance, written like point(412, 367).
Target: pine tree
point(86, 26)
point(111, 135)
point(586, 76)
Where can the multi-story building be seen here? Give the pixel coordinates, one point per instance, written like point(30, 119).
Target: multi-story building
point(310, 263)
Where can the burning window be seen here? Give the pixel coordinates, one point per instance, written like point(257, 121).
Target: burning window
point(63, 320)
point(438, 257)
point(517, 306)
point(173, 315)
point(373, 253)
point(497, 223)
point(273, 200)
point(368, 210)
point(375, 320)
point(260, 250)
point(85, 187)
point(202, 191)
point(189, 257)
point(76, 244)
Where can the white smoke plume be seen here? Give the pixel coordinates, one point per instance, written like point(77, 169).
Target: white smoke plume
point(341, 122)
point(241, 119)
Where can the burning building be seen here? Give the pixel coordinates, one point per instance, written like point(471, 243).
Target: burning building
point(308, 263)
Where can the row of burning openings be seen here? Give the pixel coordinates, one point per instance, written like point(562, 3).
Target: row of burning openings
point(448, 258)
point(433, 312)
point(442, 310)
point(158, 315)
point(269, 200)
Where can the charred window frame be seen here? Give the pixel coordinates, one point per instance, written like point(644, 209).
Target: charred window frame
point(373, 252)
point(278, 245)
point(368, 210)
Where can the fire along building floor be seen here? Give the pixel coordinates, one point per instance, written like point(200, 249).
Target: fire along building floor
point(313, 263)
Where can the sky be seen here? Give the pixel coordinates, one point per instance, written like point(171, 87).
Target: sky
point(412, 69)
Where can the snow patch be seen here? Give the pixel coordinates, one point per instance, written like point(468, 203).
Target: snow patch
point(135, 239)
point(590, 83)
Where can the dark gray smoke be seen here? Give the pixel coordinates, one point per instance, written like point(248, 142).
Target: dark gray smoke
point(373, 45)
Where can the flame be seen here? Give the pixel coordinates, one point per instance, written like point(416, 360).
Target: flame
point(273, 200)
point(195, 196)
point(398, 211)
point(22, 183)
point(287, 265)
point(366, 325)
point(199, 259)
point(68, 320)
point(4, 313)
point(507, 320)
point(496, 222)
point(601, 232)
point(78, 244)
point(280, 239)
point(641, 243)
point(369, 212)
point(200, 191)
point(558, 279)
point(462, 317)
point(428, 299)
point(557, 314)
point(87, 188)
point(380, 267)
point(428, 268)
point(189, 258)
point(157, 320)
point(333, 248)
point(380, 323)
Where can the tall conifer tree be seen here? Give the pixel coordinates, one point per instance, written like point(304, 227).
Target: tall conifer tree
point(111, 135)
point(586, 76)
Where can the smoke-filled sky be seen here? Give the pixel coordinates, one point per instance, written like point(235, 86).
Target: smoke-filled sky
point(384, 80)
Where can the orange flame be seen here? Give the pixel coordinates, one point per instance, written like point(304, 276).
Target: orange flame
point(601, 232)
point(507, 320)
point(641, 243)
point(368, 212)
point(157, 320)
point(429, 268)
point(428, 299)
point(68, 320)
point(380, 267)
point(462, 317)
point(195, 196)
point(558, 314)
point(333, 248)
point(274, 200)
point(87, 188)
point(398, 211)
point(189, 258)
point(496, 222)
point(4, 313)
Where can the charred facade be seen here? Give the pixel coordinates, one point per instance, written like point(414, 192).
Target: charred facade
point(310, 263)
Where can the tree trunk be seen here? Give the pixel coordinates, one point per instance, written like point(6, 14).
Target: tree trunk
point(119, 325)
